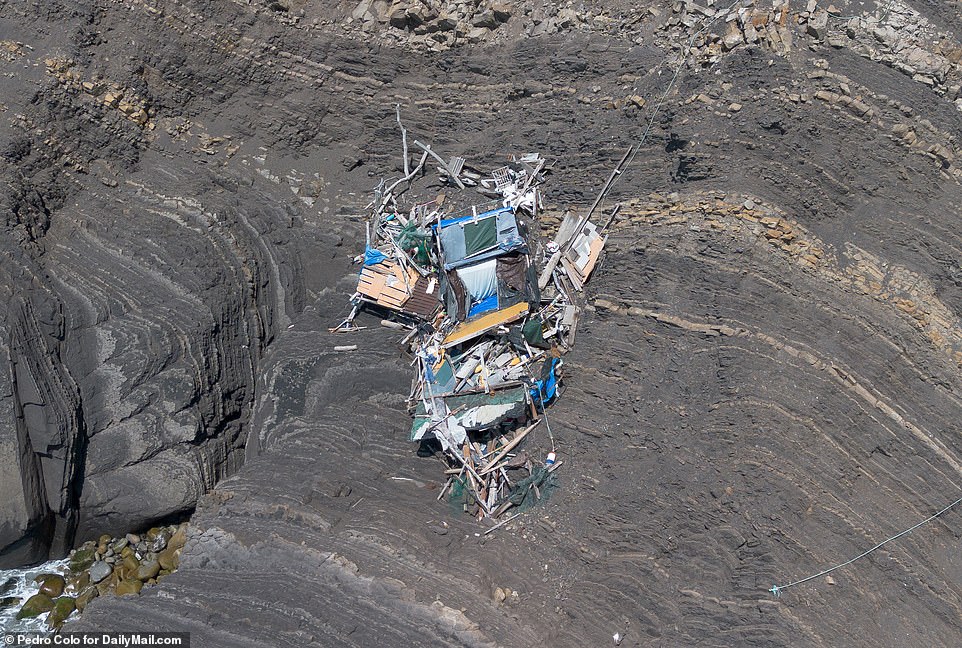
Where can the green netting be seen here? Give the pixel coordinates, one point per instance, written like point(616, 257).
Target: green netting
point(524, 496)
point(459, 496)
point(410, 238)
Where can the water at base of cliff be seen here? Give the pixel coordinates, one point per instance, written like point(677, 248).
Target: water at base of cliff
point(19, 583)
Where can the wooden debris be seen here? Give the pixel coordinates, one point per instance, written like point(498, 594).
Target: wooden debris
point(502, 523)
point(476, 393)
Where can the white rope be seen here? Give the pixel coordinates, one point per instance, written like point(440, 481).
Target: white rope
point(777, 589)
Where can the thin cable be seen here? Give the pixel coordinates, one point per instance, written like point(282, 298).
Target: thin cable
point(544, 412)
point(777, 589)
point(681, 64)
point(671, 83)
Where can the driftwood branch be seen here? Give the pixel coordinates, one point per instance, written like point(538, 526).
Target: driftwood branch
point(404, 140)
point(389, 192)
point(444, 165)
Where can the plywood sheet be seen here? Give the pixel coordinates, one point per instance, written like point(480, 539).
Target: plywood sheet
point(386, 284)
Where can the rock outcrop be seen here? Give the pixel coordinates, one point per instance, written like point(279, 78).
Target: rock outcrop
point(138, 298)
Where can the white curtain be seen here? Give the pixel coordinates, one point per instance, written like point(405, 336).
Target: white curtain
point(480, 279)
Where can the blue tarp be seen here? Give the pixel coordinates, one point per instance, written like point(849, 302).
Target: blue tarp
point(485, 305)
point(372, 256)
point(461, 219)
point(546, 389)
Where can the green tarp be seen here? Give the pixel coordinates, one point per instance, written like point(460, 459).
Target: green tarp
point(480, 236)
point(533, 334)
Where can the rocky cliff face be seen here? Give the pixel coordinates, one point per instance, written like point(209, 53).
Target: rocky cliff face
point(767, 385)
point(140, 295)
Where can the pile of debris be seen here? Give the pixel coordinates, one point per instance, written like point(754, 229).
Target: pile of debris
point(488, 325)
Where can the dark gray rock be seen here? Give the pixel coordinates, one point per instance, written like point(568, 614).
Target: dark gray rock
point(447, 22)
point(817, 25)
point(486, 19)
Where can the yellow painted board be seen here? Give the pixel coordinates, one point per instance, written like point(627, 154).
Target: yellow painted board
point(485, 323)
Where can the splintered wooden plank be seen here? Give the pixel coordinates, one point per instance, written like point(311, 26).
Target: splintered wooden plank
point(485, 323)
point(493, 463)
point(573, 274)
point(569, 225)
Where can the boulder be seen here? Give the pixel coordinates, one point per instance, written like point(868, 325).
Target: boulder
point(502, 11)
point(51, 584)
point(179, 538)
point(63, 607)
point(8, 602)
point(567, 18)
point(81, 559)
point(128, 587)
point(733, 38)
point(79, 582)
point(476, 34)
point(148, 570)
point(86, 597)
point(35, 606)
point(99, 571)
point(398, 18)
point(130, 567)
point(362, 9)
point(418, 14)
point(158, 544)
point(169, 558)
point(485, 20)
point(817, 26)
point(447, 22)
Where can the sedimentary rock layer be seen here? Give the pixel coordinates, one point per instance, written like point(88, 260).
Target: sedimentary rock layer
point(767, 384)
